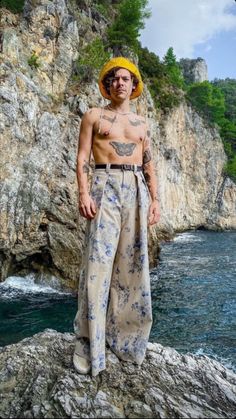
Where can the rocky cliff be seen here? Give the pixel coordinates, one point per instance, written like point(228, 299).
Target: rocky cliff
point(37, 380)
point(194, 71)
point(41, 109)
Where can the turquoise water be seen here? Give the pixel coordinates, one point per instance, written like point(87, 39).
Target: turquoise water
point(193, 295)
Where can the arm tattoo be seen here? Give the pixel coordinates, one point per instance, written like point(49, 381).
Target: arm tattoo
point(147, 177)
point(136, 122)
point(123, 149)
point(147, 156)
point(86, 167)
point(148, 133)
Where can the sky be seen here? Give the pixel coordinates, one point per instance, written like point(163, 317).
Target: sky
point(194, 28)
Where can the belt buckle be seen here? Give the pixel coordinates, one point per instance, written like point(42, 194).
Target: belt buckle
point(127, 167)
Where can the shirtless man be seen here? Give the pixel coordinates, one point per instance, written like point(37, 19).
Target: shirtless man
point(114, 289)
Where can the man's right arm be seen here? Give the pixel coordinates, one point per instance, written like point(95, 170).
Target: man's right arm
point(86, 205)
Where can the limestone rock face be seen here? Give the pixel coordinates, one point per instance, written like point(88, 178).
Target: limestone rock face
point(190, 160)
point(39, 223)
point(37, 380)
point(194, 71)
point(40, 115)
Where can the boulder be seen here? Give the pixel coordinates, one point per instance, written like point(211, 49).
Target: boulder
point(37, 380)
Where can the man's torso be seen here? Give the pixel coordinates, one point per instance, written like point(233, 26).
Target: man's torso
point(118, 138)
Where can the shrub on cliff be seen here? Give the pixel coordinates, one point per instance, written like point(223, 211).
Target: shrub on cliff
point(228, 87)
point(230, 168)
point(91, 58)
point(107, 8)
point(15, 6)
point(162, 77)
point(209, 101)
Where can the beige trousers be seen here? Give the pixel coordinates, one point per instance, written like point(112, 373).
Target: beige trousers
point(114, 299)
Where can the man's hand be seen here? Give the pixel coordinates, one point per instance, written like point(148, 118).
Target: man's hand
point(87, 206)
point(154, 213)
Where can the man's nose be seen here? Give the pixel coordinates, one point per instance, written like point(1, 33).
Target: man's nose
point(120, 81)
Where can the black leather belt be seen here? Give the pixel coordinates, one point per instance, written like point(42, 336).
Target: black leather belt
point(132, 167)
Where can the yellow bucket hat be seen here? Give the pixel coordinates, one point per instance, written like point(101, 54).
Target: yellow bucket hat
point(124, 63)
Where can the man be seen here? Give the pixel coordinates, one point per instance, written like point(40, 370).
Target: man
point(114, 300)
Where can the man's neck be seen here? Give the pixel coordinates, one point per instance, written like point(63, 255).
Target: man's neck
point(122, 107)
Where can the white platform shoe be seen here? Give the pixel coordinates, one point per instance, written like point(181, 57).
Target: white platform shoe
point(82, 365)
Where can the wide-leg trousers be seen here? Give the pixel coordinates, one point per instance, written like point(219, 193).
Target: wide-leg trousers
point(114, 297)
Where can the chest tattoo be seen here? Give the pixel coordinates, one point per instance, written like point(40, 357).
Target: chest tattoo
point(136, 123)
point(123, 149)
point(107, 118)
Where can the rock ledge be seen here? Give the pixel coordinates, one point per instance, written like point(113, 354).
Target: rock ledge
point(37, 380)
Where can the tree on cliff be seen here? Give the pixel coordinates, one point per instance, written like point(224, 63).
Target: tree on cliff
point(164, 78)
point(126, 27)
point(173, 69)
point(207, 100)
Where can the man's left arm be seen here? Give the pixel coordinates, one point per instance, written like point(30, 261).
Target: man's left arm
point(151, 179)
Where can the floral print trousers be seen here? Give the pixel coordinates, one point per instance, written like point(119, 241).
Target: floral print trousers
point(114, 298)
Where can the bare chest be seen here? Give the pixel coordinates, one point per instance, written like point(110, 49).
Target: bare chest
point(122, 127)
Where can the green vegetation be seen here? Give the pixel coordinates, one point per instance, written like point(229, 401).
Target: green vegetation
point(102, 10)
point(164, 78)
point(33, 61)
point(228, 87)
point(208, 100)
point(173, 70)
point(218, 107)
point(230, 168)
point(103, 7)
point(124, 31)
point(91, 59)
point(15, 6)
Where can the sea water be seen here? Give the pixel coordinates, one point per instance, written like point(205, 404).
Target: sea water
point(194, 295)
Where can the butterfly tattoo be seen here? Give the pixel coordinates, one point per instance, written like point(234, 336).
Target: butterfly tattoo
point(123, 149)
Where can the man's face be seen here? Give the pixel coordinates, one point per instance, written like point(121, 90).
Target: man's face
point(121, 86)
